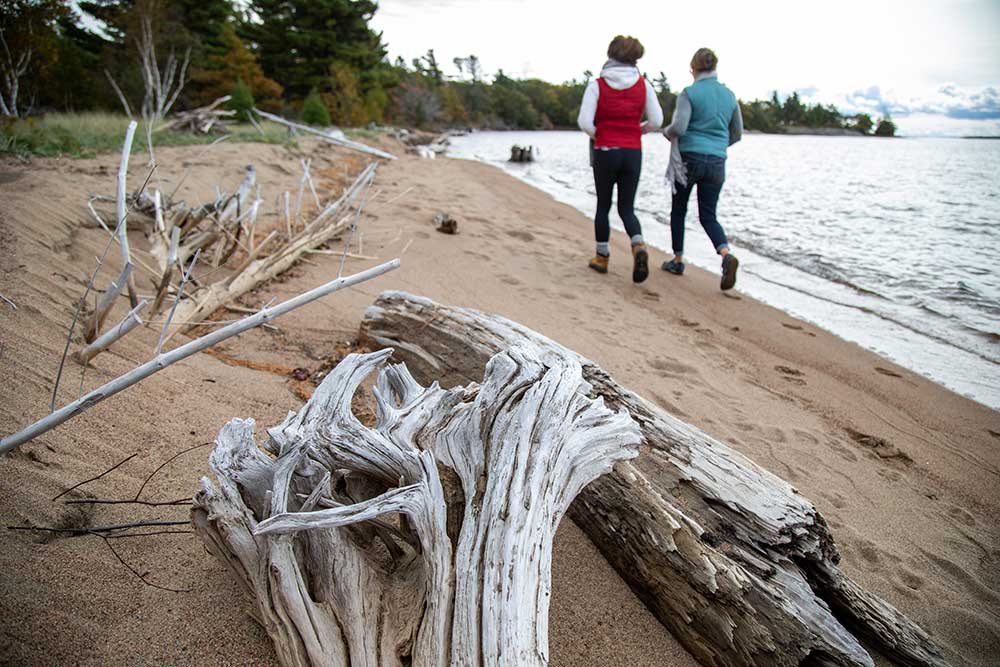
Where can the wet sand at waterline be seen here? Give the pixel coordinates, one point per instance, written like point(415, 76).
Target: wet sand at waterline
point(915, 519)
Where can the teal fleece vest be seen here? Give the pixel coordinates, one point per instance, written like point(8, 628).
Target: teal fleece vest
point(712, 106)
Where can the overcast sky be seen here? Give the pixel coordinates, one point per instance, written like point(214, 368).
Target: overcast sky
point(935, 66)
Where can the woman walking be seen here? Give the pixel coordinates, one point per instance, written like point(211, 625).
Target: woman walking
point(706, 122)
point(611, 113)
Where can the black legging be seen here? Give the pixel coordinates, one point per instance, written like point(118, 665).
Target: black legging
point(621, 167)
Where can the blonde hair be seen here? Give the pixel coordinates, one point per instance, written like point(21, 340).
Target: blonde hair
point(626, 50)
point(704, 60)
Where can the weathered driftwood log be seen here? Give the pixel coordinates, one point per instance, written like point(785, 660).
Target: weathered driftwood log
point(739, 566)
point(433, 543)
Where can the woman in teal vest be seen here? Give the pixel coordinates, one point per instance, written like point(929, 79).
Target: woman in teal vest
point(707, 121)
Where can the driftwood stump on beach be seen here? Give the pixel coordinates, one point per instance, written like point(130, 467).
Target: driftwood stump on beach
point(423, 540)
point(739, 566)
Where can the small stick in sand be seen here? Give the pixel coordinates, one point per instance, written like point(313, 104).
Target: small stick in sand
point(8, 301)
point(180, 293)
point(131, 321)
point(107, 300)
point(97, 477)
point(120, 206)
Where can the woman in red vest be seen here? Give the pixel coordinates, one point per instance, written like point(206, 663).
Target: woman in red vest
point(611, 113)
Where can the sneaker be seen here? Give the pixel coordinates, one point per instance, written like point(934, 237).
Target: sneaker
point(674, 267)
point(599, 263)
point(729, 266)
point(640, 266)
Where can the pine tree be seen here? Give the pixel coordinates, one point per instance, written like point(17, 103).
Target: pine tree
point(236, 62)
point(298, 42)
point(314, 112)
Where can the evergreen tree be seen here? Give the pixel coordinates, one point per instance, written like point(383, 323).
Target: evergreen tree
point(863, 123)
point(297, 42)
point(241, 101)
point(235, 63)
point(314, 112)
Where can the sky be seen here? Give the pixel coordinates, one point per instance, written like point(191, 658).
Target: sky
point(934, 66)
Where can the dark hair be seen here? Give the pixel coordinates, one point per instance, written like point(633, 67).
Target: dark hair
point(704, 60)
point(626, 50)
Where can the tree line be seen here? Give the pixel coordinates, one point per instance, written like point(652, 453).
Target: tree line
point(319, 61)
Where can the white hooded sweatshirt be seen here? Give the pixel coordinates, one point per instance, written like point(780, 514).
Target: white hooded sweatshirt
point(619, 76)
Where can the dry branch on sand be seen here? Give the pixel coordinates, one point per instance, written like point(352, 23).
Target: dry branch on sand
point(424, 540)
point(204, 120)
point(739, 566)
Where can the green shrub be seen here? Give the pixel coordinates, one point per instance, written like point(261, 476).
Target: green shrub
point(314, 111)
point(241, 101)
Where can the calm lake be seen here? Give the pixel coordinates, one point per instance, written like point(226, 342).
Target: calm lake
point(893, 244)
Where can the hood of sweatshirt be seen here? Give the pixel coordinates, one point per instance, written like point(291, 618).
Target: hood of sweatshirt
point(619, 75)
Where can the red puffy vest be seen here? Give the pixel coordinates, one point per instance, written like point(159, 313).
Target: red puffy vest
point(619, 113)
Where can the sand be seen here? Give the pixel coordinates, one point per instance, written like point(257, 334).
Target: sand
point(915, 518)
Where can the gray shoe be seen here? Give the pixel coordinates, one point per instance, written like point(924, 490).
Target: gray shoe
point(674, 267)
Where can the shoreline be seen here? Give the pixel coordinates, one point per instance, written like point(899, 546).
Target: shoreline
point(914, 518)
point(839, 307)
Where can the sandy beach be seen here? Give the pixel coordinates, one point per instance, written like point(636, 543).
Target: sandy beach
point(906, 472)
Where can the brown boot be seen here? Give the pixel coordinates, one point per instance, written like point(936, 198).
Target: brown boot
point(640, 263)
point(599, 263)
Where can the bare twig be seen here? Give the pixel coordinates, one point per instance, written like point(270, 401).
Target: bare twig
point(100, 529)
point(354, 225)
point(6, 300)
point(94, 479)
point(180, 293)
point(164, 465)
point(122, 212)
point(137, 574)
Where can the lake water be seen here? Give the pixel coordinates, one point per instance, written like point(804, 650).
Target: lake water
point(893, 244)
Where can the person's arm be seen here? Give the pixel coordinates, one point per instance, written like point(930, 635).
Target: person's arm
point(588, 109)
point(736, 125)
point(654, 114)
point(682, 116)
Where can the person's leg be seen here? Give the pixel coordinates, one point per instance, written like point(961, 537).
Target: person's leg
point(628, 184)
point(604, 181)
point(709, 189)
point(708, 199)
point(678, 213)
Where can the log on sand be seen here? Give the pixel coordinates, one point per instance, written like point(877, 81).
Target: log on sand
point(739, 566)
point(424, 540)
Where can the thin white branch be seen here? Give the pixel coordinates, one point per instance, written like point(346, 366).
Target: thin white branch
point(105, 303)
point(130, 321)
point(165, 359)
point(121, 95)
point(346, 143)
point(120, 209)
point(180, 294)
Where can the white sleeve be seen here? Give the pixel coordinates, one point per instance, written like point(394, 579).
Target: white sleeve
point(588, 109)
point(654, 114)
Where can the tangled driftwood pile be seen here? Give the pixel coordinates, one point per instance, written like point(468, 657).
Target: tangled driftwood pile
point(204, 120)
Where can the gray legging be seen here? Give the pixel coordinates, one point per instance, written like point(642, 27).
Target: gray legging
point(621, 167)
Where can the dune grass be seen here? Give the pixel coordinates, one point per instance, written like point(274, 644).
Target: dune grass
point(87, 134)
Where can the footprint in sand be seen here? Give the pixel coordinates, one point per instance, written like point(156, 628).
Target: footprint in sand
point(790, 374)
point(880, 447)
point(886, 371)
point(963, 516)
point(672, 368)
point(797, 327)
point(522, 235)
point(687, 323)
point(569, 296)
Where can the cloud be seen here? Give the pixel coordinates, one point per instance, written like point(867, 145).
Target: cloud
point(948, 100)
